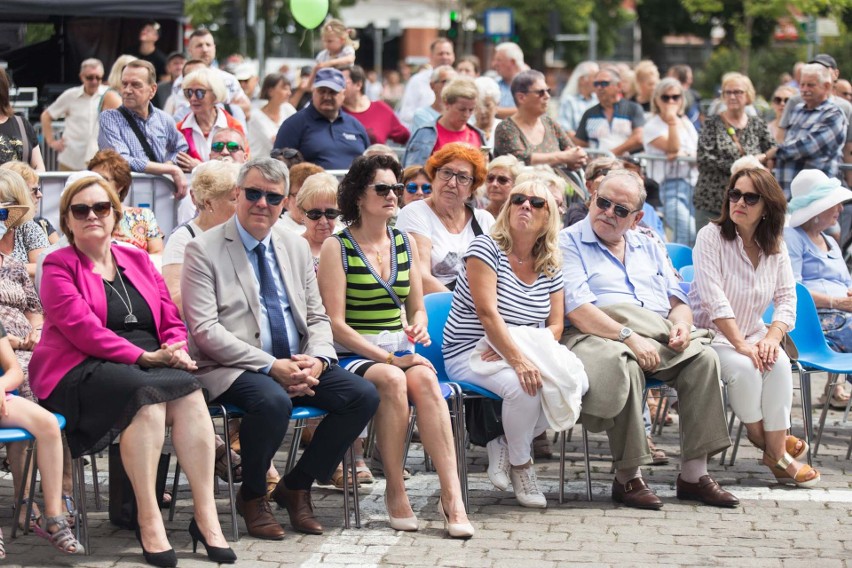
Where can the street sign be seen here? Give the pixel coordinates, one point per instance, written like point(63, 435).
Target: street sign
point(499, 22)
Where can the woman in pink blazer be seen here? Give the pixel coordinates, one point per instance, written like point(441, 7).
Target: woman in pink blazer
point(112, 359)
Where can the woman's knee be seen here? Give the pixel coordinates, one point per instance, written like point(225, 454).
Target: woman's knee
point(423, 385)
point(390, 381)
point(151, 414)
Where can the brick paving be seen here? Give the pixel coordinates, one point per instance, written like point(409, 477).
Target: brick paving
point(775, 526)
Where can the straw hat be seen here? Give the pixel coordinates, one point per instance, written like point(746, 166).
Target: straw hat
point(16, 212)
point(808, 184)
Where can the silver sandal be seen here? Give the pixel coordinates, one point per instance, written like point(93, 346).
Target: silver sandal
point(62, 539)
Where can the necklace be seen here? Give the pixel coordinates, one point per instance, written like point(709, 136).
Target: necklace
point(520, 261)
point(130, 320)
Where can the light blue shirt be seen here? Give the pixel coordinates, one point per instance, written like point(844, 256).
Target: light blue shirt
point(593, 275)
point(506, 98)
point(249, 243)
point(820, 272)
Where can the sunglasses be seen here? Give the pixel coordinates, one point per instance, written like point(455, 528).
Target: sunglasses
point(620, 210)
point(81, 211)
point(382, 189)
point(734, 195)
point(231, 146)
point(601, 84)
point(520, 199)
point(272, 198)
point(286, 153)
point(93, 77)
point(780, 100)
point(502, 180)
point(317, 214)
point(540, 92)
point(669, 98)
point(461, 178)
point(199, 93)
point(412, 187)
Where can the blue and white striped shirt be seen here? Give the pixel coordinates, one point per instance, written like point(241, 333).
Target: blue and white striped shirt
point(159, 129)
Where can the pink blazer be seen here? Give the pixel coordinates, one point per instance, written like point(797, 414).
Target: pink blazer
point(75, 314)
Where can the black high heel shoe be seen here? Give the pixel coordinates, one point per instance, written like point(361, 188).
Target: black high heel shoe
point(165, 559)
point(214, 553)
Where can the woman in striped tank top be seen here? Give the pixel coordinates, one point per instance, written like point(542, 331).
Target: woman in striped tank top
point(741, 265)
point(371, 287)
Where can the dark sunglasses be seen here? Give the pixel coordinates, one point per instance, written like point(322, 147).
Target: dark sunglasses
point(780, 100)
point(412, 187)
point(382, 189)
point(601, 84)
point(81, 211)
point(734, 195)
point(93, 77)
point(520, 199)
point(272, 198)
point(286, 153)
point(36, 190)
point(669, 98)
point(620, 210)
point(231, 146)
point(199, 93)
point(540, 92)
point(502, 180)
point(4, 214)
point(317, 214)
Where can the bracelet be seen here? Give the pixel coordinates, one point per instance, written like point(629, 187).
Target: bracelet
point(778, 327)
point(389, 360)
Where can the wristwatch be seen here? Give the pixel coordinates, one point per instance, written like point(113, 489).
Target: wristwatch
point(624, 334)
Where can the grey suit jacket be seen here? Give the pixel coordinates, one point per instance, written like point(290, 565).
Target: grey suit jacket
point(222, 308)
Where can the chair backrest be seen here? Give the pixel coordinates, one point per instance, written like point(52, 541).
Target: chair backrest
point(437, 310)
point(687, 273)
point(681, 255)
point(807, 334)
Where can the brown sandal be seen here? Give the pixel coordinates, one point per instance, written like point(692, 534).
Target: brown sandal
point(801, 476)
point(790, 443)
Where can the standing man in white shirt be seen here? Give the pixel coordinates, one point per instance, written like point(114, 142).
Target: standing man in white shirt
point(79, 107)
point(417, 93)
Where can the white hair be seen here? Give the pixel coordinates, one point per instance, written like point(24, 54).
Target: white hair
point(822, 73)
point(513, 51)
point(488, 89)
point(584, 69)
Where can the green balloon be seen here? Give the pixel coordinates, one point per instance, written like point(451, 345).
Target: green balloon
point(309, 13)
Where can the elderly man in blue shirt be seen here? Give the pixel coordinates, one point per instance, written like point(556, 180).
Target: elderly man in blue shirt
point(629, 320)
point(323, 134)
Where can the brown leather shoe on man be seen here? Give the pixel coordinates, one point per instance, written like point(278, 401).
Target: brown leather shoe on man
point(707, 491)
point(260, 522)
point(299, 507)
point(635, 493)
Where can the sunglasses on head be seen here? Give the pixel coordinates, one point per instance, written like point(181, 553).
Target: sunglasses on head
point(734, 195)
point(780, 100)
point(80, 211)
point(382, 189)
point(317, 214)
point(199, 93)
point(601, 84)
point(272, 198)
point(520, 199)
point(620, 210)
point(231, 146)
point(669, 98)
point(502, 180)
point(412, 187)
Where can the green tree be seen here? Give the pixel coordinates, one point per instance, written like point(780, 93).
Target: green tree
point(659, 18)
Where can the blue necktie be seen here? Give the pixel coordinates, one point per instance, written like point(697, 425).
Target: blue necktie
point(269, 293)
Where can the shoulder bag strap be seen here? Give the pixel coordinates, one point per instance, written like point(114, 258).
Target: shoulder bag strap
point(146, 146)
point(732, 132)
point(474, 224)
point(25, 140)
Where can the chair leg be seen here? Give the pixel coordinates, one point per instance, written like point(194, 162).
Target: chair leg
point(807, 411)
point(829, 388)
point(294, 445)
point(849, 450)
point(730, 431)
point(736, 448)
point(460, 439)
point(78, 479)
point(96, 482)
point(355, 491)
point(232, 497)
point(410, 434)
point(562, 445)
point(173, 504)
point(19, 498)
point(588, 465)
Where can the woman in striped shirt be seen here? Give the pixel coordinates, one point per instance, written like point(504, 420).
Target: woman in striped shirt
point(741, 265)
point(371, 287)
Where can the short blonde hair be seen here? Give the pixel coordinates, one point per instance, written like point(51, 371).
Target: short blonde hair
point(459, 88)
point(114, 78)
point(207, 78)
point(318, 187)
point(749, 86)
point(72, 190)
point(213, 180)
point(508, 162)
point(24, 170)
point(14, 190)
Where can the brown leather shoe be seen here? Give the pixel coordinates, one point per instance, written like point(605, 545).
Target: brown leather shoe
point(635, 493)
point(260, 522)
point(299, 507)
point(707, 491)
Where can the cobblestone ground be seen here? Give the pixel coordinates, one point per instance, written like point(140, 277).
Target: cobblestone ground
point(775, 526)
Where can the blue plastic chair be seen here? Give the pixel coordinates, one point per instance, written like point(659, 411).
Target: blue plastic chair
point(681, 255)
point(687, 273)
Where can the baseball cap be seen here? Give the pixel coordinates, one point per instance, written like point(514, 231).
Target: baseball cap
point(330, 78)
point(825, 60)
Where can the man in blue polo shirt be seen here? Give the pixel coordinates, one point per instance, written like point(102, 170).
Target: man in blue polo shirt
point(614, 124)
point(323, 134)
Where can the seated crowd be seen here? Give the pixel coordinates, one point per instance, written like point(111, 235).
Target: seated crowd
point(284, 288)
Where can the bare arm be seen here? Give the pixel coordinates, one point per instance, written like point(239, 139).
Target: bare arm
point(431, 284)
point(631, 144)
point(47, 130)
point(171, 274)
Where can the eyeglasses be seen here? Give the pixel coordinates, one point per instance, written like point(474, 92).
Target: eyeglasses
point(502, 180)
point(620, 210)
point(780, 100)
point(382, 189)
point(272, 198)
point(412, 187)
point(520, 199)
point(540, 92)
point(670, 98)
point(93, 77)
point(199, 93)
point(231, 146)
point(317, 214)
point(734, 195)
point(81, 211)
point(36, 189)
point(601, 84)
point(734, 93)
point(462, 178)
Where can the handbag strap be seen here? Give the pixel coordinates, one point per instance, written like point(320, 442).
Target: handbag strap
point(732, 132)
point(474, 224)
point(25, 140)
point(146, 146)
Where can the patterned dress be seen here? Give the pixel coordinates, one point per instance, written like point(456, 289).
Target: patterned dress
point(17, 297)
point(137, 225)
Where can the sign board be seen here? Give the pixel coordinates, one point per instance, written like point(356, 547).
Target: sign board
point(499, 22)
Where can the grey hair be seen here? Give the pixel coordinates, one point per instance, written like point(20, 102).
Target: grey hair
point(271, 169)
point(513, 51)
point(91, 63)
point(436, 73)
point(664, 85)
point(633, 177)
point(822, 72)
point(613, 71)
point(523, 80)
point(488, 89)
point(584, 69)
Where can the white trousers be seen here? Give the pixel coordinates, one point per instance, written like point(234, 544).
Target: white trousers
point(757, 396)
point(523, 416)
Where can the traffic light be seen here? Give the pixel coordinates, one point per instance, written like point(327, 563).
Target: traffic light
point(455, 24)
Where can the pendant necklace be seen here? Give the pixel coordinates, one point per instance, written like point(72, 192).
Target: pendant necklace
point(130, 320)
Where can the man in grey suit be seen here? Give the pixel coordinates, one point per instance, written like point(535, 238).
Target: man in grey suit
point(263, 342)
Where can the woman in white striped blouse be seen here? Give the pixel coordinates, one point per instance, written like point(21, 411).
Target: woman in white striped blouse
point(741, 265)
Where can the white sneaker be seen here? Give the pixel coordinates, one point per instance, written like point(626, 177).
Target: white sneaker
point(525, 484)
point(498, 462)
